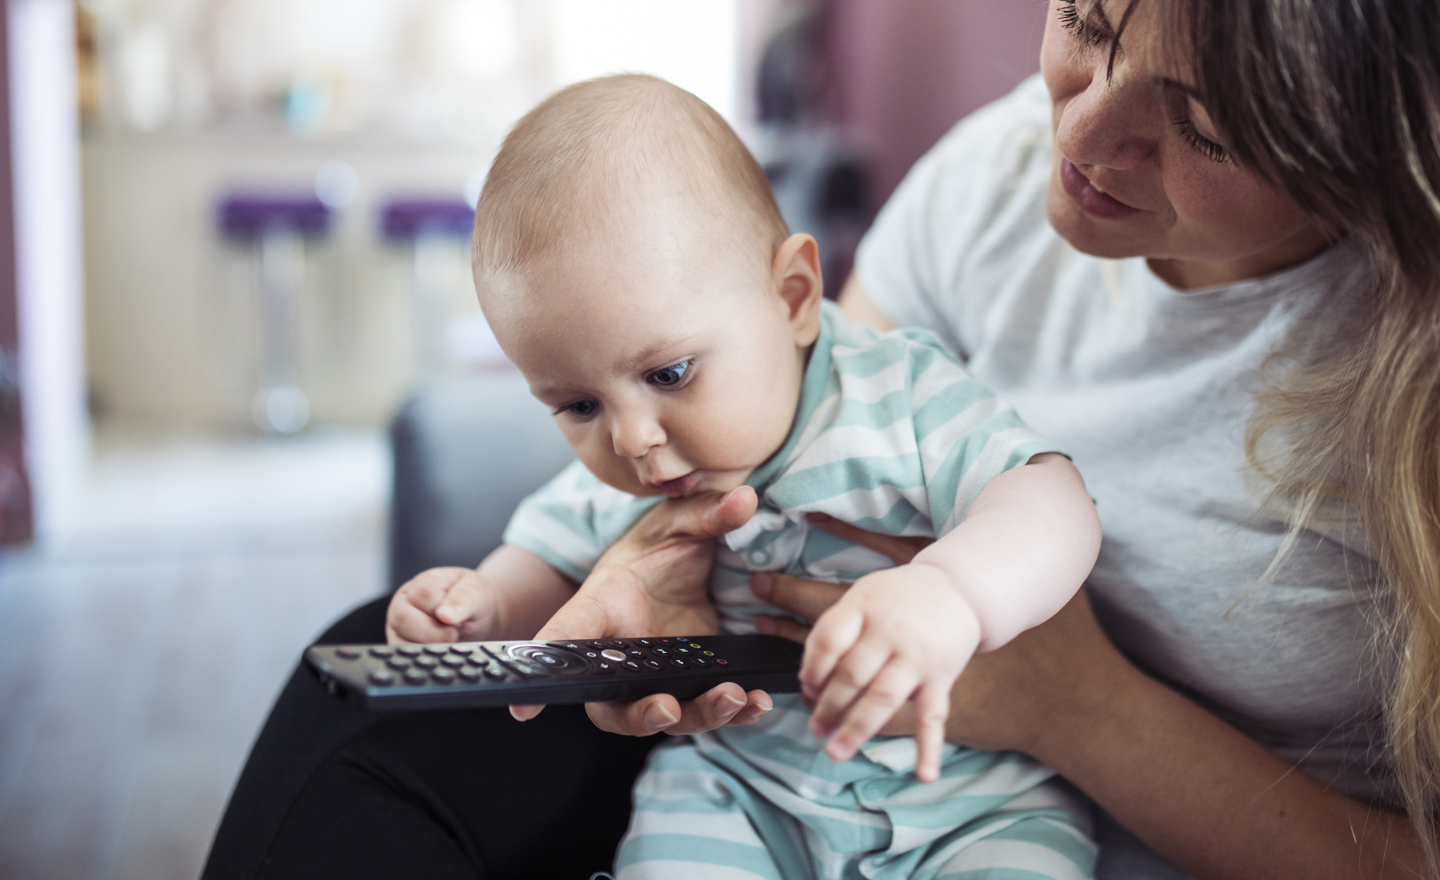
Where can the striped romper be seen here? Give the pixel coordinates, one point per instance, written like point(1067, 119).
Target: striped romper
point(892, 435)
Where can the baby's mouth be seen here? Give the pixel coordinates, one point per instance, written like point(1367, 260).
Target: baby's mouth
point(678, 486)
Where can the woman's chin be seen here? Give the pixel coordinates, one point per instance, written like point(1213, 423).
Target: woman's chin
point(1089, 235)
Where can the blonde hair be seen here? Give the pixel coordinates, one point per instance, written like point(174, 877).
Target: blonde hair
point(573, 165)
point(1337, 103)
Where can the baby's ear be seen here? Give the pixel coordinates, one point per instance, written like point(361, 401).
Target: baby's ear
point(795, 275)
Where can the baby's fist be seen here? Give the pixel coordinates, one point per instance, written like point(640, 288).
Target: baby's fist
point(440, 605)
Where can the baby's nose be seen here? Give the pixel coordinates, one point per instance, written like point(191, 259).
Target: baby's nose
point(635, 434)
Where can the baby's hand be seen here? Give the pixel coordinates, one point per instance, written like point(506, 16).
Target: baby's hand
point(896, 634)
point(440, 605)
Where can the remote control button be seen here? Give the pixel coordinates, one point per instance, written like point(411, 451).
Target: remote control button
point(708, 653)
point(348, 653)
point(605, 668)
point(632, 665)
point(663, 652)
point(461, 649)
point(635, 654)
point(398, 663)
point(409, 650)
point(645, 642)
point(596, 644)
point(552, 660)
point(664, 641)
point(680, 662)
point(653, 664)
point(415, 676)
point(574, 646)
point(682, 650)
point(426, 662)
point(437, 650)
point(443, 675)
point(470, 673)
point(699, 661)
point(455, 662)
point(382, 677)
point(612, 655)
point(722, 662)
point(591, 654)
point(616, 643)
point(495, 671)
point(692, 644)
point(381, 651)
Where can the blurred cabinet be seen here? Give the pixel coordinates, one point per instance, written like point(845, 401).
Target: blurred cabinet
point(173, 319)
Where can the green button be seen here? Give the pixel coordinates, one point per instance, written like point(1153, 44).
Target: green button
point(709, 653)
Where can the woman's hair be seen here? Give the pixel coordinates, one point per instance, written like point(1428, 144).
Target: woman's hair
point(1337, 103)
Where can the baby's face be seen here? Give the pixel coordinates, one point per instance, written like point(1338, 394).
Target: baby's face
point(669, 374)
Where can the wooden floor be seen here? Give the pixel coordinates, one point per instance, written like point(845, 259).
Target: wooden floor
point(140, 650)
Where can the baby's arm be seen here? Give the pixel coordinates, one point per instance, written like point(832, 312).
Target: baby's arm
point(510, 596)
point(1026, 545)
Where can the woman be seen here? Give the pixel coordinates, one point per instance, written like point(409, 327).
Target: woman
point(1254, 405)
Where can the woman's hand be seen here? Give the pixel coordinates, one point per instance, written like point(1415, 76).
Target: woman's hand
point(652, 583)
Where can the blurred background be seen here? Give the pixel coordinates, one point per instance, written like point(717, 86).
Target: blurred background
point(236, 315)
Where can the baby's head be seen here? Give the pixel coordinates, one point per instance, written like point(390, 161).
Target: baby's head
point(633, 264)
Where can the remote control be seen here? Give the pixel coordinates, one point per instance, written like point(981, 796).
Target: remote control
point(472, 675)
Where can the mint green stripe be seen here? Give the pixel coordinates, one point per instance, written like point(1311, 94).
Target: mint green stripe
point(697, 851)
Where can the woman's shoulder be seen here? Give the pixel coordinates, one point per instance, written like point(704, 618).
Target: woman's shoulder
point(975, 200)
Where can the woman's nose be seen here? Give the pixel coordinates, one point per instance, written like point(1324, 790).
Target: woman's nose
point(635, 431)
point(1109, 123)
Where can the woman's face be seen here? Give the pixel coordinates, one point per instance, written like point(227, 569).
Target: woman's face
point(1140, 169)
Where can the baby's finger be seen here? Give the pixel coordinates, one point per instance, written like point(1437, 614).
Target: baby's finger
point(427, 589)
point(891, 688)
point(462, 601)
point(406, 623)
point(932, 709)
point(856, 670)
point(833, 634)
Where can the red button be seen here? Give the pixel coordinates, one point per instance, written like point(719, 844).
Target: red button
point(723, 662)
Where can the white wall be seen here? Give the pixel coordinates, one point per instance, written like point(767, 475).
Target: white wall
point(45, 151)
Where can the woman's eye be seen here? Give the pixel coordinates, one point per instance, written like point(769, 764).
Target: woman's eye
point(1199, 142)
point(671, 376)
point(1082, 30)
point(581, 408)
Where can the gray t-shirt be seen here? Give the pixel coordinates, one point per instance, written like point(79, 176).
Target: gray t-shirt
point(1149, 388)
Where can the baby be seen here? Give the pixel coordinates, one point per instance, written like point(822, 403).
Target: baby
point(630, 257)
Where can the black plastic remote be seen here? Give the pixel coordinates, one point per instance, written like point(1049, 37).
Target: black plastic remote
point(471, 675)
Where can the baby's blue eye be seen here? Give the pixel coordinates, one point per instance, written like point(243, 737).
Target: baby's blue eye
point(582, 408)
point(671, 375)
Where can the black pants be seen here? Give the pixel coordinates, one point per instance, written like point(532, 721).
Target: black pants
point(330, 791)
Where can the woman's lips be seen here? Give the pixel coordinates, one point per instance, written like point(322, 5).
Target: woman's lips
point(1092, 200)
point(678, 486)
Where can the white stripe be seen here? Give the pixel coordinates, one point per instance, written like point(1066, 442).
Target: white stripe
point(729, 827)
point(855, 441)
point(671, 870)
point(876, 502)
point(875, 387)
point(820, 421)
point(579, 549)
point(935, 447)
point(1016, 855)
point(1005, 778)
point(940, 375)
point(987, 464)
point(852, 559)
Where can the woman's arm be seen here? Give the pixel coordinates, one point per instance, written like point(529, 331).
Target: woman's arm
point(857, 306)
point(1198, 791)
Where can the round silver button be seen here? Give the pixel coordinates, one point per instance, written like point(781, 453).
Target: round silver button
point(612, 655)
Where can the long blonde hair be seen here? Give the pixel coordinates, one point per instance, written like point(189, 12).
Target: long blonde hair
point(1337, 103)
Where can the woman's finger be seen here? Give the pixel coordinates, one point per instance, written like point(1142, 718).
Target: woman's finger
point(803, 598)
point(900, 549)
point(783, 627)
point(643, 717)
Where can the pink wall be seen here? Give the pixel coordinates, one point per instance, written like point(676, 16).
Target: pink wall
point(904, 71)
